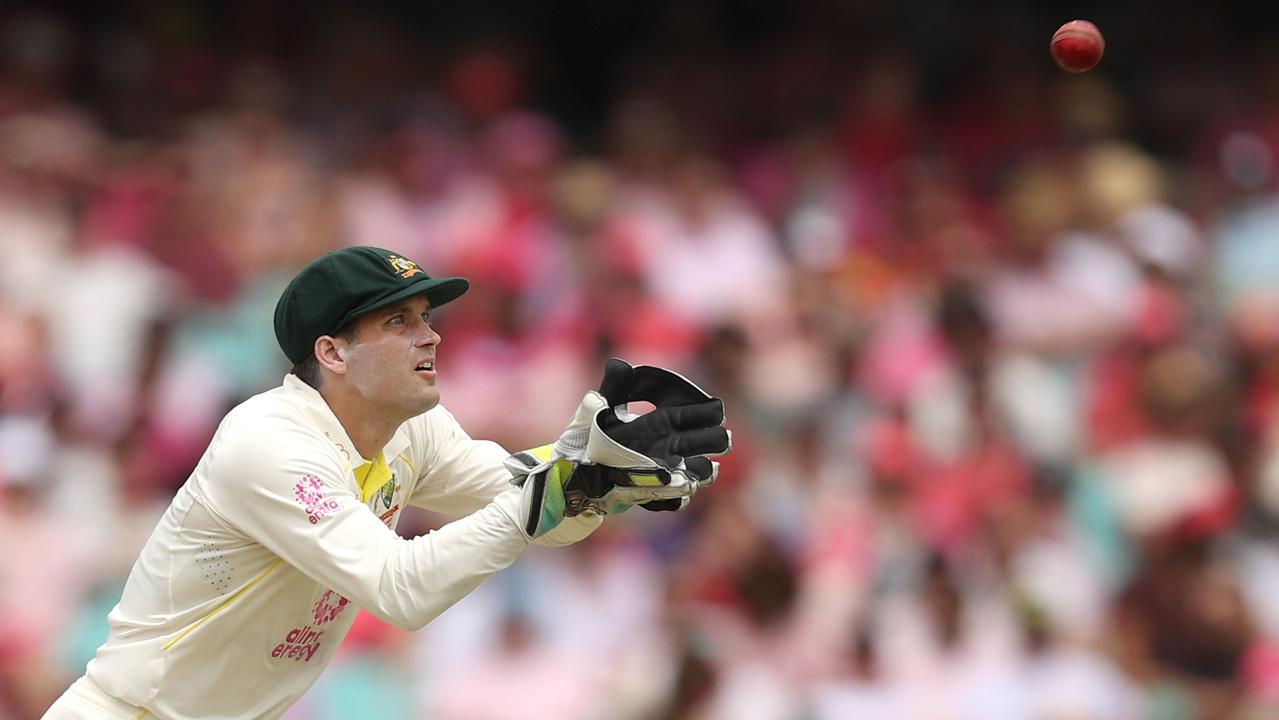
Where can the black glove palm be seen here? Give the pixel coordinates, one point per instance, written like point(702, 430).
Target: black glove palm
point(686, 424)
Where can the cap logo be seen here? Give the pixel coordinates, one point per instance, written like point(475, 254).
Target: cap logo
point(403, 267)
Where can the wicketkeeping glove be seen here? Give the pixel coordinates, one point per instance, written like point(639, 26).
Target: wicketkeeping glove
point(599, 463)
point(551, 479)
point(686, 425)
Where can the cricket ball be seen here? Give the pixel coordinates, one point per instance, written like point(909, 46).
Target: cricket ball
point(1077, 46)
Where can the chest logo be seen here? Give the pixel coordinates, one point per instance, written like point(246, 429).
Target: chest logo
point(387, 493)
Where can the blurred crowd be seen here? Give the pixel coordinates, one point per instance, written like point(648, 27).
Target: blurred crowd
point(999, 347)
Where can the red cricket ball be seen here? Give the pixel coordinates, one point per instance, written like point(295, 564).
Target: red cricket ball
point(1077, 46)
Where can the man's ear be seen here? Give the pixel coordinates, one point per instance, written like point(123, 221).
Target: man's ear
point(329, 351)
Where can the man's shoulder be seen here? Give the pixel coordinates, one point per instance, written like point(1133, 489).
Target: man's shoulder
point(276, 408)
point(432, 426)
point(425, 436)
point(271, 424)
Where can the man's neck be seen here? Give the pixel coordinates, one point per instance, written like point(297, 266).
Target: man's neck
point(369, 428)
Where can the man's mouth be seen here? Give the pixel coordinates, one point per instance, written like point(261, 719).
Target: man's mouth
point(425, 366)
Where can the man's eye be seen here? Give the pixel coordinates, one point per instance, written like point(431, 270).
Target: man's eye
point(397, 320)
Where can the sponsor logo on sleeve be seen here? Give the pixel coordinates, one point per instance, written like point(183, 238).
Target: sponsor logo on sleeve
point(310, 494)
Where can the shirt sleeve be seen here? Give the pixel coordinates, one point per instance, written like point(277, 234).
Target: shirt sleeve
point(459, 475)
point(290, 492)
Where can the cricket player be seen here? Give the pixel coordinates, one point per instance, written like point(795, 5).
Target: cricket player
point(254, 574)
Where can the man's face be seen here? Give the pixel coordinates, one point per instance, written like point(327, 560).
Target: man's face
point(391, 361)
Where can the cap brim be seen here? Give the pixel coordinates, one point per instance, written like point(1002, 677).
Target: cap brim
point(438, 291)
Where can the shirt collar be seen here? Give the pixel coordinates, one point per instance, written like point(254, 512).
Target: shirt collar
point(321, 416)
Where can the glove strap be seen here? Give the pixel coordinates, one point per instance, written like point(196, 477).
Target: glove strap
point(591, 487)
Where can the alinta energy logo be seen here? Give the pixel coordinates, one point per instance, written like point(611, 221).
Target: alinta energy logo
point(302, 643)
point(328, 608)
point(309, 493)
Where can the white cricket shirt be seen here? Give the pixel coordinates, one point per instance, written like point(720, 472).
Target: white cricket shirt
point(249, 583)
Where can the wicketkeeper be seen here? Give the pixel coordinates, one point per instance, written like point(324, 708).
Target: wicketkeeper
point(253, 576)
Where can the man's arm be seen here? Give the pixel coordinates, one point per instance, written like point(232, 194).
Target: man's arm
point(291, 495)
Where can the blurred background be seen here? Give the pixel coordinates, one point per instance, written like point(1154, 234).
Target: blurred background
point(999, 344)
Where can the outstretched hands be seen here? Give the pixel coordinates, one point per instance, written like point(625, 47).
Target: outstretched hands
point(683, 431)
point(610, 458)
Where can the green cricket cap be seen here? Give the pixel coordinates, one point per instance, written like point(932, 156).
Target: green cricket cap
point(346, 284)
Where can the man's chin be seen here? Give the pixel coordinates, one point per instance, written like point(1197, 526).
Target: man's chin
point(425, 401)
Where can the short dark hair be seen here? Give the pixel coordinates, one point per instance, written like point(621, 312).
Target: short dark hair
point(308, 371)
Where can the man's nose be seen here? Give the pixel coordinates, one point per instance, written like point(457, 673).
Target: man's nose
point(430, 337)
